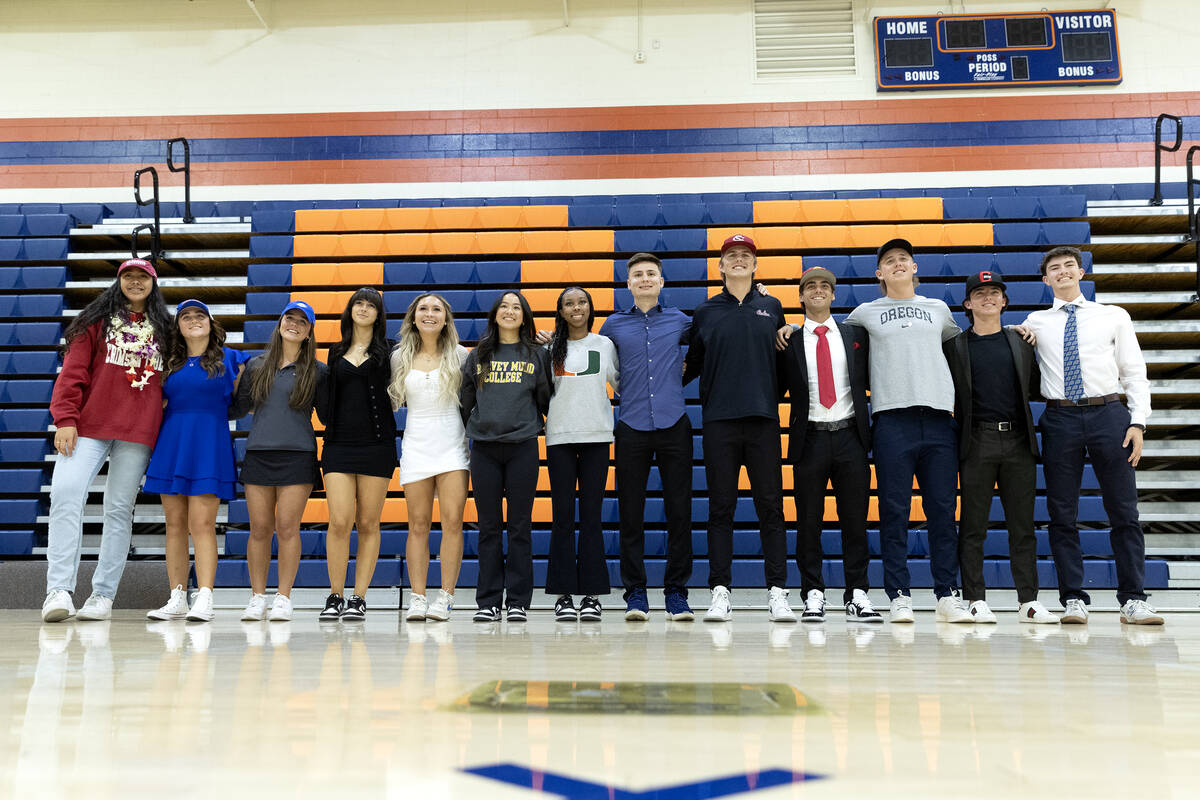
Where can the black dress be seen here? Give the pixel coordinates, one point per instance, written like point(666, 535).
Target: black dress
point(361, 437)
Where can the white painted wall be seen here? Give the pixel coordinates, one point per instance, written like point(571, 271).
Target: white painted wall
point(136, 57)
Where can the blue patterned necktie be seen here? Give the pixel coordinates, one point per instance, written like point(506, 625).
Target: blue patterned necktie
point(1072, 375)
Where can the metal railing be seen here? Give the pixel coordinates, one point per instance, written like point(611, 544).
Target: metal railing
point(153, 228)
point(1159, 149)
point(1193, 216)
point(186, 169)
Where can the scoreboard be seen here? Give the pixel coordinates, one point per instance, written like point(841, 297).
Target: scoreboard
point(988, 51)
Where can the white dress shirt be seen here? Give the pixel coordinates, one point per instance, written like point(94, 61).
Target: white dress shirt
point(844, 406)
point(1110, 360)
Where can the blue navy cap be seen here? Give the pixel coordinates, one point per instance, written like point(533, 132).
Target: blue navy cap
point(192, 303)
point(303, 306)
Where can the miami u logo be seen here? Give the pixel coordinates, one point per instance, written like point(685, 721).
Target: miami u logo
point(593, 367)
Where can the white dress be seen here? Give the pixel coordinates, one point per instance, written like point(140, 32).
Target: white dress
point(434, 438)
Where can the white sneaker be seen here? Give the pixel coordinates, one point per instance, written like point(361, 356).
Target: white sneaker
point(281, 609)
point(952, 608)
point(778, 607)
point(1036, 613)
point(439, 609)
point(96, 608)
point(982, 614)
point(1076, 613)
point(1139, 612)
point(901, 610)
point(202, 608)
point(718, 609)
point(814, 606)
point(418, 608)
point(256, 609)
point(176, 607)
point(57, 606)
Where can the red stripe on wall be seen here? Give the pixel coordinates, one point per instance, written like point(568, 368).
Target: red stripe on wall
point(1100, 105)
point(664, 165)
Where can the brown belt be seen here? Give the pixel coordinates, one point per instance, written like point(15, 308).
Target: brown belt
point(1083, 401)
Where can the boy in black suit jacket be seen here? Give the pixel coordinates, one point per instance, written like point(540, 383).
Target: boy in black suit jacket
point(825, 371)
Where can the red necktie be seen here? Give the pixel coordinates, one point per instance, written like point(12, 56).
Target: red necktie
point(825, 388)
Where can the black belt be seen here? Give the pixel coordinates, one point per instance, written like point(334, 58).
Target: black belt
point(1002, 427)
point(840, 424)
point(1083, 401)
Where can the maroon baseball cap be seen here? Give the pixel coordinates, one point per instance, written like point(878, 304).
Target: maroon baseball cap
point(739, 239)
point(138, 263)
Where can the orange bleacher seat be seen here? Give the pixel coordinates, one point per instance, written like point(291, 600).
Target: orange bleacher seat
point(590, 241)
point(966, 234)
point(317, 219)
point(870, 209)
point(328, 331)
point(452, 244)
point(452, 218)
point(544, 217)
point(787, 295)
point(362, 219)
point(827, 237)
point(928, 235)
point(359, 244)
point(583, 271)
point(406, 244)
point(769, 268)
point(324, 302)
point(315, 245)
point(360, 273)
point(871, 236)
point(543, 242)
point(406, 219)
point(488, 242)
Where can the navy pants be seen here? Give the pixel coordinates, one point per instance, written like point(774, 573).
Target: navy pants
point(577, 568)
point(1067, 433)
point(919, 442)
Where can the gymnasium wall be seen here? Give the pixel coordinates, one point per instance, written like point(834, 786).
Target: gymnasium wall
point(429, 96)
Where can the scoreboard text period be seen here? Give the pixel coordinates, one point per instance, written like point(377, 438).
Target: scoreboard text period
point(987, 51)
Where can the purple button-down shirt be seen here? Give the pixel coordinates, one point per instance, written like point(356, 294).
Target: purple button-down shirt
point(649, 348)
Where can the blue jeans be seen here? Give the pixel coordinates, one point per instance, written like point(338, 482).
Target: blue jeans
point(917, 442)
point(73, 475)
point(1100, 430)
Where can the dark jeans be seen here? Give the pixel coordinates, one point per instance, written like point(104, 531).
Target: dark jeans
point(1099, 430)
point(836, 456)
point(918, 442)
point(671, 449)
point(499, 472)
point(998, 458)
point(728, 444)
point(582, 571)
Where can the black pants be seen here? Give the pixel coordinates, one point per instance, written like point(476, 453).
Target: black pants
point(671, 449)
point(572, 571)
point(729, 444)
point(1003, 459)
point(837, 456)
point(499, 472)
point(1098, 430)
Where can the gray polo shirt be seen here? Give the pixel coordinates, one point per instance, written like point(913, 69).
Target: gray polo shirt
point(276, 425)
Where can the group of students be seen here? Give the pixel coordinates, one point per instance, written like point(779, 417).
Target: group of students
point(154, 395)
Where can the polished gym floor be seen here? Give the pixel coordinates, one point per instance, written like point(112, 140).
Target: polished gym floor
point(658, 710)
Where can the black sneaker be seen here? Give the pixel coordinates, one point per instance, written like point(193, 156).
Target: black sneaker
point(356, 609)
point(564, 609)
point(589, 609)
point(517, 614)
point(333, 608)
point(488, 614)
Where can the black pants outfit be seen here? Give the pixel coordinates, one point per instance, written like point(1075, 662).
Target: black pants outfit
point(582, 569)
point(838, 457)
point(504, 471)
point(671, 449)
point(728, 445)
point(998, 459)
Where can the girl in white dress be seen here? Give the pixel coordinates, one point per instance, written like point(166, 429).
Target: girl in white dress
point(426, 375)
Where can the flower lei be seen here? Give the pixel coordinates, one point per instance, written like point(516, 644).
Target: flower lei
point(134, 338)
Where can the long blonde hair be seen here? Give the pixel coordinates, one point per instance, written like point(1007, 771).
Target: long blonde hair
point(409, 344)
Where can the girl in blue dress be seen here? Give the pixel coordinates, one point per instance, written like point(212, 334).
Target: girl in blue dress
point(193, 465)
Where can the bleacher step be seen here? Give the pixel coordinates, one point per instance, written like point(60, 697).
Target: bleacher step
point(216, 309)
point(1162, 268)
point(1168, 479)
point(168, 227)
point(1171, 448)
point(1144, 298)
point(196, 281)
point(149, 513)
point(1181, 355)
point(166, 255)
point(1177, 386)
point(1145, 238)
point(1169, 511)
point(1172, 544)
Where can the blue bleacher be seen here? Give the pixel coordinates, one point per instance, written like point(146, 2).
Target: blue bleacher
point(451, 272)
point(17, 543)
point(498, 272)
point(267, 303)
point(24, 481)
point(270, 246)
point(269, 275)
point(14, 450)
point(273, 222)
point(19, 512)
point(25, 391)
point(31, 305)
point(33, 277)
point(25, 420)
point(30, 333)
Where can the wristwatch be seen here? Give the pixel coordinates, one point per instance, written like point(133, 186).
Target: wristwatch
point(1138, 425)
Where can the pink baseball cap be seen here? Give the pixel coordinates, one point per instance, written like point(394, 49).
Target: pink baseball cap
point(138, 263)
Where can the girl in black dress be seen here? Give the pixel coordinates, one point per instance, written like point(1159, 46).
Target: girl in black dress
point(360, 449)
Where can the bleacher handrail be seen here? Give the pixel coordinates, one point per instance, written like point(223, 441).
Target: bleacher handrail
point(1159, 149)
point(1193, 216)
point(186, 169)
point(155, 248)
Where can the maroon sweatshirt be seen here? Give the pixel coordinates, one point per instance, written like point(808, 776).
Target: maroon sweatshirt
point(94, 392)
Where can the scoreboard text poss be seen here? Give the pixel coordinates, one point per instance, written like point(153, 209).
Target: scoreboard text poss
point(997, 50)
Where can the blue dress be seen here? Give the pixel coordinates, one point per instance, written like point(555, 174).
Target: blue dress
point(194, 451)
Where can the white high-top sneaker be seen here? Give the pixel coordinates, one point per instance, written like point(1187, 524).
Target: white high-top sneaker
point(176, 607)
point(202, 608)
